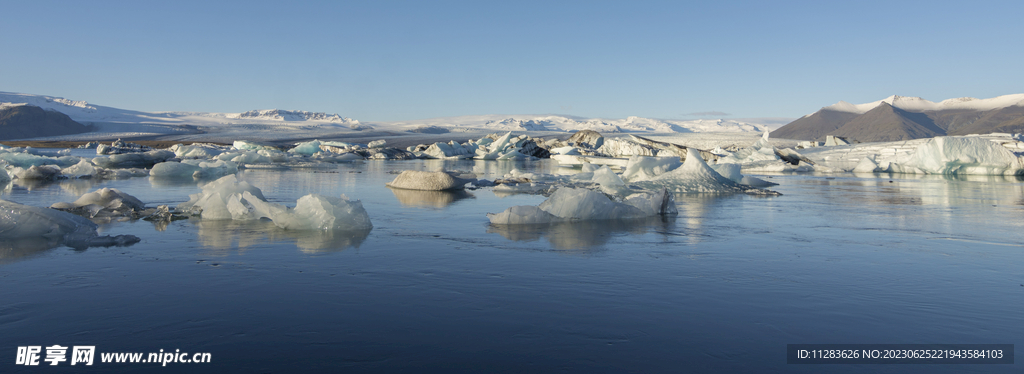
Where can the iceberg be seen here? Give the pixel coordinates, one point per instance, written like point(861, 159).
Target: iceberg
point(428, 181)
point(250, 146)
point(960, 155)
point(196, 169)
point(83, 169)
point(22, 222)
point(306, 148)
point(224, 198)
point(197, 150)
point(41, 172)
point(323, 213)
point(229, 198)
point(104, 202)
point(695, 176)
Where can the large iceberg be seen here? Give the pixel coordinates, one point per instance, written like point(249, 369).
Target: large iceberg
point(575, 204)
point(959, 155)
point(694, 176)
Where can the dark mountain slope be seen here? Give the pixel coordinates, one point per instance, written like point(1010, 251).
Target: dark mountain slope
point(27, 121)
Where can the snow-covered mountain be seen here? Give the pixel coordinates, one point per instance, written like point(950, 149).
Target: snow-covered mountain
point(277, 124)
point(917, 104)
point(902, 118)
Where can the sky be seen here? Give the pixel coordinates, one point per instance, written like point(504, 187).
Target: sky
point(403, 60)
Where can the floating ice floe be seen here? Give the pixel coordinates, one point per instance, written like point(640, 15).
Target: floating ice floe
point(574, 204)
point(22, 222)
point(229, 198)
point(428, 181)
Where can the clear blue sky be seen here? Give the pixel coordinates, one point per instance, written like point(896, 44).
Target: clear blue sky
point(397, 60)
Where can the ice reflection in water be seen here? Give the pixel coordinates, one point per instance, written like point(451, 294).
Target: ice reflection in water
point(220, 237)
point(429, 199)
point(582, 236)
point(23, 249)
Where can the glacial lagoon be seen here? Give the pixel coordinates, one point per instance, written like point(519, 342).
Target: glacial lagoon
point(722, 287)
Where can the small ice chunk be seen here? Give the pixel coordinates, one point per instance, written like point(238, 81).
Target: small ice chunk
point(427, 180)
point(173, 169)
point(377, 143)
point(306, 148)
point(83, 169)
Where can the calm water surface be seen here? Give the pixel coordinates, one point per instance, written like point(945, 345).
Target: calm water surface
point(433, 286)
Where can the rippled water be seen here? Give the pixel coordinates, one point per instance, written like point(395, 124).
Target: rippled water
point(433, 286)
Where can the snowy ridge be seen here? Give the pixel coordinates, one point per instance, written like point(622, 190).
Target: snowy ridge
point(291, 115)
point(917, 104)
point(275, 124)
point(570, 124)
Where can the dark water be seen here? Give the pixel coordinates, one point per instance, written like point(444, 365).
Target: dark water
point(433, 287)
